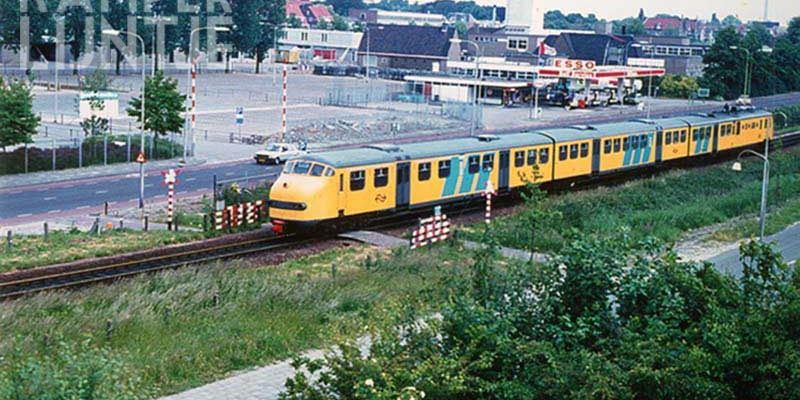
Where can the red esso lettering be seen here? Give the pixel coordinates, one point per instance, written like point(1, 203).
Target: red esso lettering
point(578, 64)
point(590, 65)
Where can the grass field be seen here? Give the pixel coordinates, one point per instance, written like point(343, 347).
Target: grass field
point(664, 206)
point(64, 246)
point(159, 334)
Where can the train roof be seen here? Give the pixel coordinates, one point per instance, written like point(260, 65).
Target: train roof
point(383, 153)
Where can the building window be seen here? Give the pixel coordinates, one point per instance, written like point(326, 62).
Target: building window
point(324, 37)
point(356, 180)
point(381, 177)
point(424, 171)
point(304, 36)
point(444, 168)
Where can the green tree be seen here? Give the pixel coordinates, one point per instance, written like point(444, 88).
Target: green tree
point(323, 24)
point(724, 71)
point(339, 24)
point(678, 86)
point(731, 21)
point(18, 122)
point(163, 105)
point(294, 22)
point(342, 7)
point(630, 26)
point(461, 28)
point(97, 81)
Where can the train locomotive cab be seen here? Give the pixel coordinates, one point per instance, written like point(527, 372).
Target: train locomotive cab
point(303, 196)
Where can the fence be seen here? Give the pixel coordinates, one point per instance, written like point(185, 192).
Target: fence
point(56, 154)
point(463, 111)
point(361, 95)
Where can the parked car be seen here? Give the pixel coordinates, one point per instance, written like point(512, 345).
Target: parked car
point(276, 153)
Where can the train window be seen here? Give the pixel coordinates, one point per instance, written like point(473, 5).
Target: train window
point(444, 168)
point(488, 162)
point(643, 141)
point(683, 136)
point(668, 138)
point(761, 124)
point(531, 157)
point(544, 155)
point(356, 180)
point(562, 153)
point(316, 170)
point(626, 144)
point(607, 146)
point(381, 177)
point(635, 142)
point(708, 132)
point(573, 151)
point(617, 145)
point(301, 167)
point(328, 171)
point(694, 135)
point(519, 158)
point(474, 163)
point(676, 137)
point(424, 171)
point(584, 150)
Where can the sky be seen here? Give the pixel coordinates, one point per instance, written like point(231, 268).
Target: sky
point(781, 10)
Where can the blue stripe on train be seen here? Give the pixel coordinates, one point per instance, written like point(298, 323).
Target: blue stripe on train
point(697, 143)
point(706, 142)
point(450, 183)
point(646, 156)
point(626, 159)
point(482, 178)
point(466, 179)
point(637, 156)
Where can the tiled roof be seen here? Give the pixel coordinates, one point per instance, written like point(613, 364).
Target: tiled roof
point(412, 40)
point(661, 23)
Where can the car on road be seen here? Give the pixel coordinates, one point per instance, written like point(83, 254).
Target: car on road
point(276, 153)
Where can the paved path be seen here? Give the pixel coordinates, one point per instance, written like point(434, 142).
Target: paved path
point(787, 240)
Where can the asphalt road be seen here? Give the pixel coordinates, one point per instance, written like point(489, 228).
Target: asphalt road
point(39, 202)
point(787, 241)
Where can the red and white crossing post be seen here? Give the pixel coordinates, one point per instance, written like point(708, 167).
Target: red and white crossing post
point(283, 104)
point(488, 192)
point(170, 179)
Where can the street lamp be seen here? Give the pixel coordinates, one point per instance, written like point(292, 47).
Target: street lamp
point(737, 166)
point(477, 79)
point(190, 55)
point(115, 32)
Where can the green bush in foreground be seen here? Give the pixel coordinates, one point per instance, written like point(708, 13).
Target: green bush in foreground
point(606, 320)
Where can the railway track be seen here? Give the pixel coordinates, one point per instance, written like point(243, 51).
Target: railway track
point(58, 279)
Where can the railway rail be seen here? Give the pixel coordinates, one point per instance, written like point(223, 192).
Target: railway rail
point(58, 279)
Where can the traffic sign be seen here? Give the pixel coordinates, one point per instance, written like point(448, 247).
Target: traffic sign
point(240, 116)
point(170, 176)
point(703, 92)
point(140, 158)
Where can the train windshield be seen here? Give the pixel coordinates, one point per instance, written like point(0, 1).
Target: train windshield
point(301, 167)
point(307, 168)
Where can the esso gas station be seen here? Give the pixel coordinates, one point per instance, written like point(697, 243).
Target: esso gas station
point(582, 83)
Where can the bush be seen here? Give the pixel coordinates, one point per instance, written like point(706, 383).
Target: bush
point(678, 86)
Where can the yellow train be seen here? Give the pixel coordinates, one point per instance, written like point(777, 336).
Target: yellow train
point(338, 187)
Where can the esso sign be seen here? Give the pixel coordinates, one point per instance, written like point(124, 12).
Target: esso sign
point(574, 64)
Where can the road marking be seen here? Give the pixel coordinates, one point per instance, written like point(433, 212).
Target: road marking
point(24, 215)
point(53, 211)
point(111, 203)
point(229, 173)
point(132, 200)
point(42, 189)
point(148, 185)
point(82, 207)
point(190, 179)
point(49, 198)
point(16, 192)
point(101, 192)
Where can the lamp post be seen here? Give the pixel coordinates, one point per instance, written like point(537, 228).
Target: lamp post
point(745, 90)
point(737, 166)
point(477, 79)
point(114, 32)
point(190, 55)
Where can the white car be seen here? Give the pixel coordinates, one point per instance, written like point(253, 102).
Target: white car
point(276, 153)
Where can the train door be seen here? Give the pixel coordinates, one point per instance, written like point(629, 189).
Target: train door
point(342, 199)
point(403, 189)
point(714, 140)
point(595, 156)
point(503, 177)
point(659, 143)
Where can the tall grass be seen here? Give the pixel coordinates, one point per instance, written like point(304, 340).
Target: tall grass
point(180, 329)
point(664, 207)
